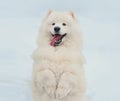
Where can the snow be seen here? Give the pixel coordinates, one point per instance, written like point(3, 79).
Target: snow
point(101, 50)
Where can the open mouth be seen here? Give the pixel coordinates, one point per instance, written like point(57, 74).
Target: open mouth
point(57, 39)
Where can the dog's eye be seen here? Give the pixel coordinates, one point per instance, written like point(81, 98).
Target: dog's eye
point(53, 24)
point(64, 24)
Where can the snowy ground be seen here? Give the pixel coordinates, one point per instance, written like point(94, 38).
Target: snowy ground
point(101, 49)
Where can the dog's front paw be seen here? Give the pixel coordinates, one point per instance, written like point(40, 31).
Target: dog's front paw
point(62, 91)
point(50, 90)
point(48, 83)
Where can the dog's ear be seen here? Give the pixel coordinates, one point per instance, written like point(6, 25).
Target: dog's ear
point(48, 13)
point(73, 15)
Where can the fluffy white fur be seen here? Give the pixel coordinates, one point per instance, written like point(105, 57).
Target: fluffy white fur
point(58, 73)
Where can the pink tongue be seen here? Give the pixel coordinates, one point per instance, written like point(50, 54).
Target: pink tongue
point(56, 38)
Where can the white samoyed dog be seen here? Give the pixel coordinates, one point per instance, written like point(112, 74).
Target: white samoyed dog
point(58, 73)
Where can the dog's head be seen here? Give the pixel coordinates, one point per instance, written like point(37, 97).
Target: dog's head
point(59, 26)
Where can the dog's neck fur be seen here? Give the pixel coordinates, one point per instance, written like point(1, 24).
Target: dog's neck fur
point(68, 51)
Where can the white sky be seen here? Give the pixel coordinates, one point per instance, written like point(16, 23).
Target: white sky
point(33, 8)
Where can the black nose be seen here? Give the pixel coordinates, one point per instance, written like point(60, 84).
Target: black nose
point(57, 29)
